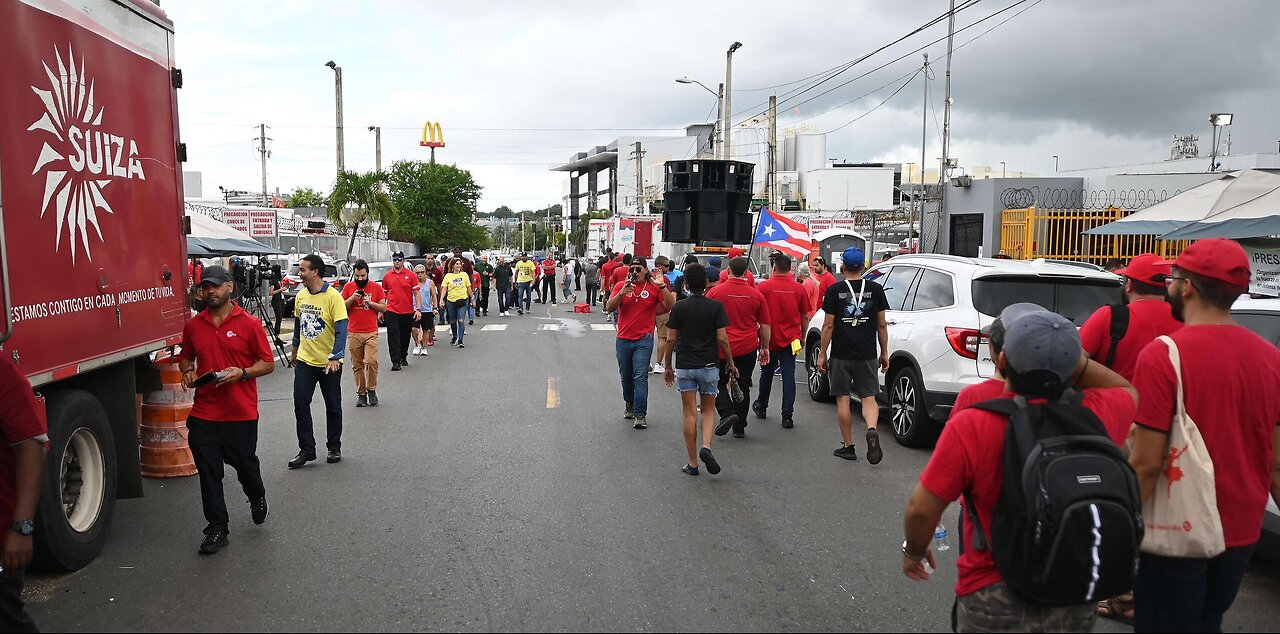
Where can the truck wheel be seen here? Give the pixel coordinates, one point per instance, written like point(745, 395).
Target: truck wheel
point(79, 488)
point(912, 426)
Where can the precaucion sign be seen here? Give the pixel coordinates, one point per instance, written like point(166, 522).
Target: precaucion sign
point(1265, 261)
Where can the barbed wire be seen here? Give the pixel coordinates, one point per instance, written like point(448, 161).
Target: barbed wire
point(1130, 199)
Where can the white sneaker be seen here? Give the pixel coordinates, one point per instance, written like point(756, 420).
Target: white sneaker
point(417, 351)
point(658, 369)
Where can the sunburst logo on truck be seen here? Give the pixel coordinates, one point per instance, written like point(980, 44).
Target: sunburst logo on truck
point(80, 157)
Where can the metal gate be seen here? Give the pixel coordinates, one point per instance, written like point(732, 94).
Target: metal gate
point(966, 234)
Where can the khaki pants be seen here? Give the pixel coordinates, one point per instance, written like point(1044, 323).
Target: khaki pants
point(364, 360)
point(661, 322)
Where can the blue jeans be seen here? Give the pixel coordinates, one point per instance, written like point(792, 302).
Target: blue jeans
point(305, 379)
point(458, 318)
point(705, 381)
point(523, 295)
point(633, 369)
point(1177, 594)
point(785, 360)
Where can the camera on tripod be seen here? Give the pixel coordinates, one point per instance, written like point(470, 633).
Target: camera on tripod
point(252, 278)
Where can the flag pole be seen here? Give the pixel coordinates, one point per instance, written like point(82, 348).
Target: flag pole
point(754, 230)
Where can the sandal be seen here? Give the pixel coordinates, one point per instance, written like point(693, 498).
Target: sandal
point(1118, 608)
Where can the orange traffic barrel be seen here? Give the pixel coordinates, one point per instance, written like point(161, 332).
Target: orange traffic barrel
point(163, 432)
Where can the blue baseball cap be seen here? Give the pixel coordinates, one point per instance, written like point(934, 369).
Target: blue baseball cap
point(853, 256)
point(714, 261)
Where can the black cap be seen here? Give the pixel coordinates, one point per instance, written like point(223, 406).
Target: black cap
point(216, 275)
point(398, 255)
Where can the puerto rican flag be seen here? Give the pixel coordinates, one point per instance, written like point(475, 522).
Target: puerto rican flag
point(779, 232)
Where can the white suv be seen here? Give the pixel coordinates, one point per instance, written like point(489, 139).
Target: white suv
point(938, 306)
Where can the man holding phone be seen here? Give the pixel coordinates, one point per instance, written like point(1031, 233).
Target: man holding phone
point(364, 302)
point(320, 343)
point(637, 299)
point(224, 349)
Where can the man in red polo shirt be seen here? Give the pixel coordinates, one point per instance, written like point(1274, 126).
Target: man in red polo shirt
point(748, 326)
point(1041, 359)
point(22, 459)
point(1145, 315)
point(548, 279)
point(789, 311)
point(821, 272)
point(365, 302)
point(637, 299)
point(223, 423)
point(735, 252)
point(1229, 383)
point(402, 312)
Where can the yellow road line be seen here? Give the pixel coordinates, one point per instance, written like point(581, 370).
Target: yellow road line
point(553, 394)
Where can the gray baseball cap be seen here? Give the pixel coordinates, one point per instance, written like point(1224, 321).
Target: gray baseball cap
point(1042, 346)
point(216, 275)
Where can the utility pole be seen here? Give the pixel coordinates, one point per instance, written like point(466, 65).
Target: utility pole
point(946, 118)
point(771, 185)
point(719, 142)
point(377, 144)
point(337, 89)
point(728, 101)
point(924, 136)
point(263, 153)
point(639, 154)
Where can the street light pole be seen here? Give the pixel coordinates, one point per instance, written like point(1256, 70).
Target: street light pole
point(1002, 171)
point(1055, 163)
point(728, 100)
point(377, 144)
point(337, 89)
point(715, 137)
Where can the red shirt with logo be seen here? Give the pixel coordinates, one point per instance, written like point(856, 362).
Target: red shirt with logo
point(239, 342)
point(1231, 387)
point(360, 317)
point(20, 421)
point(400, 286)
point(970, 457)
point(747, 309)
point(787, 299)
point(638, 310)
point(1148, 319)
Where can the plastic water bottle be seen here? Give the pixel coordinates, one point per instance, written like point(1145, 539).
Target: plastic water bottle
point(940, 540)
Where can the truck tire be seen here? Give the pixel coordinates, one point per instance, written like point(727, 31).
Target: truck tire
point(79, 488)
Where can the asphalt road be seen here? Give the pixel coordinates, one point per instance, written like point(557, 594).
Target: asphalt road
point(499, 488)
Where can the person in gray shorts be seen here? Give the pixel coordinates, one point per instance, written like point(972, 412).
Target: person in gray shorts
point(854, 325)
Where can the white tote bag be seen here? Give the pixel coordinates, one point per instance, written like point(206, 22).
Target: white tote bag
point(1182, 516)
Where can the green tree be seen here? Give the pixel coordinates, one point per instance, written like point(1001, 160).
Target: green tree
point(306, 197)
point(367, 197)
point(437, 203)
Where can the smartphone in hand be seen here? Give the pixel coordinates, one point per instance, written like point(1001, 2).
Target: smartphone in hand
point(209, 377)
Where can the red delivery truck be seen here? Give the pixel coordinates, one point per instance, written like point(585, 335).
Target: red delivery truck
point(92, 246)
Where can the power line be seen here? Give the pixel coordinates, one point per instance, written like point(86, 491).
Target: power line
point(877, 106)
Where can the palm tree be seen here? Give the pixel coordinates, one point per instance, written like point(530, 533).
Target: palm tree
point(366, 193)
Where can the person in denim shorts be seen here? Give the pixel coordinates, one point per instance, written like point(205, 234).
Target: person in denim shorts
point(697, 334)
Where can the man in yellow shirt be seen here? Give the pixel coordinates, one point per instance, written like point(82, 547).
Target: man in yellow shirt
point(525, 272)
point(319, 344)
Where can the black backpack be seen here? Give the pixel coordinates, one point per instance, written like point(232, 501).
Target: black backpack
point(1119, 328)
point(1068, 524)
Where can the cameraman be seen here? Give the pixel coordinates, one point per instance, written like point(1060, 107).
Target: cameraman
point(365, 302)
point(277, 299)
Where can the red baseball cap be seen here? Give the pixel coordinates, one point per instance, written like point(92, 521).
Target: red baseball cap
point(1216, 258)
point(1147, 268)
point(735, 252)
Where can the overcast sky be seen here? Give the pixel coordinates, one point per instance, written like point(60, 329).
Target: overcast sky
point(521, 85)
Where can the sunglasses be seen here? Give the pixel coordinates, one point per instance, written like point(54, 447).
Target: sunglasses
point(636, 269)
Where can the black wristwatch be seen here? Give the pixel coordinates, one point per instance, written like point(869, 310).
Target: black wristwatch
point(24, 527)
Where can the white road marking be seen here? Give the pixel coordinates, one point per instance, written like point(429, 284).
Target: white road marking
point(551, 327)
point(553, 394)
point(494, 327)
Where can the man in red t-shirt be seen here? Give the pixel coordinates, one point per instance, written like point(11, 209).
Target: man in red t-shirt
point(617, 275)
point(1229, 383)
point(402, 311)
point(223, 424)
point(789, 311)
point(21, 471)
point(989, 388)
point(365, 302)
point(1149, 316)
point(748, 327)
point(822, 275)
point(735, 252)
point(637, 300)
point(1041, 358)
point(548, 280)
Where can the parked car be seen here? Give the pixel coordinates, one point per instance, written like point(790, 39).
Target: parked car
point(1263, 317)
point(939, 305)
point(336, 273)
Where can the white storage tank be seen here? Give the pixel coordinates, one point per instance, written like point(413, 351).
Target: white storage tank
point(810, 152)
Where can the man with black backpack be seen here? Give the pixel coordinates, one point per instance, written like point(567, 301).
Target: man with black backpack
point(1115, 334)
point(1040, 547)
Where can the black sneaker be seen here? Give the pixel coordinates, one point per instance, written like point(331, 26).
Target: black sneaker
point(760, 411)
point(630, 412)
point(258, 508)
point(739, 432)
point(788, 422)
point(848, 453)
point(641, 423)
point(405, 362)
point(471, 322)
point(874, 454)
point(713, 467)
point(395, 367)
point(461, 345)
point(335, 456)
point(301, 459)
point(373, 398)
point(362, 400)
point(726, 423)
point(214, 540)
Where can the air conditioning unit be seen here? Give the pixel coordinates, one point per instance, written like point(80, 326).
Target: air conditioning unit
point(961, 181)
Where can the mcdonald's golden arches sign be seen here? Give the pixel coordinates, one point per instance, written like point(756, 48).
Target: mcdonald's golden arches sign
point(432, 136)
